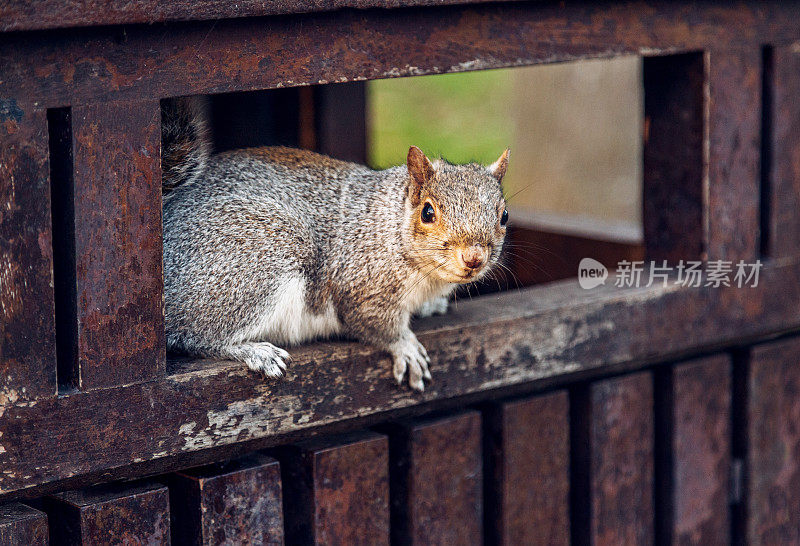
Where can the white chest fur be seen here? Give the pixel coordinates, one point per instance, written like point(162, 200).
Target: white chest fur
point(288, 320)
point(424, 290)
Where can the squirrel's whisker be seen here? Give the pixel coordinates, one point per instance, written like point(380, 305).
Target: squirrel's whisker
point(410, 289)
point(531, 263)
point(513, 195)
point(534, 246)
point(513, 276)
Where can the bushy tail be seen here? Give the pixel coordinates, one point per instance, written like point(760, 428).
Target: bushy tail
point(185, 141)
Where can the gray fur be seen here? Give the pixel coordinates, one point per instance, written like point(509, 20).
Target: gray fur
point(254, 222)
point(185, 141)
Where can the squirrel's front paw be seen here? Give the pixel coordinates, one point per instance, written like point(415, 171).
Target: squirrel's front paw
point(262, 357)
point(409, 355)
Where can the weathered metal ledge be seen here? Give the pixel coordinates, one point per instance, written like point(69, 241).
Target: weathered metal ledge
point(524, 339)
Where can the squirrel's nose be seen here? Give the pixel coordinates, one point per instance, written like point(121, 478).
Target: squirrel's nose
point(473, 256)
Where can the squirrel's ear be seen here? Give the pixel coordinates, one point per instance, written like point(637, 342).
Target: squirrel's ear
point(421, 170)
point(498, 168)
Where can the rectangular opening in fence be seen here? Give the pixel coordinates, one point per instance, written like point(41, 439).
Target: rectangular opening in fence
point(606, 155)
point(62, 204)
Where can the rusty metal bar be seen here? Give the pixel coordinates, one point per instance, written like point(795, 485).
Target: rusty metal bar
point(337, 490)
point(19, 15)
point(621, 460)
point(27, 316)
point(117, 178)
point(21, 524)
point(110, 514)
point(437, 480)
point(228, 502)
point(697, 461)
point(782, 84)
point(773, 464)
point(154, 61)
point(528, 453)
point(734, 124)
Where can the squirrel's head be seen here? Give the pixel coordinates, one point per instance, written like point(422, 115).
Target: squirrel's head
point(457, 216)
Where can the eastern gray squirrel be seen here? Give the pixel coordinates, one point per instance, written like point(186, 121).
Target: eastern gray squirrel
point(273, 246)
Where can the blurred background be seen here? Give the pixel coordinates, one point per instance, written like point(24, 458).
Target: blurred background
point(574, 129)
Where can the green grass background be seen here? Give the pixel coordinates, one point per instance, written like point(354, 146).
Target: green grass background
point(461, 117)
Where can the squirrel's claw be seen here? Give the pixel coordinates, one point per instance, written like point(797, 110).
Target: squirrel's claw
point(399, 370)
point(426, 373)
point(415, 372)
point(410, 356)
point(416, 384)
point(263, 357)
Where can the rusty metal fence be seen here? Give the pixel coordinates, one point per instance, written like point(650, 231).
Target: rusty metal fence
point(557, 415)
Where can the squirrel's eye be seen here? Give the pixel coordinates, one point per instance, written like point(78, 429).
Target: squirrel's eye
point(428, 214)
point(504, 218)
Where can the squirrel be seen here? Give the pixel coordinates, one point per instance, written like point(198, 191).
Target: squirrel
point(270, 247)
